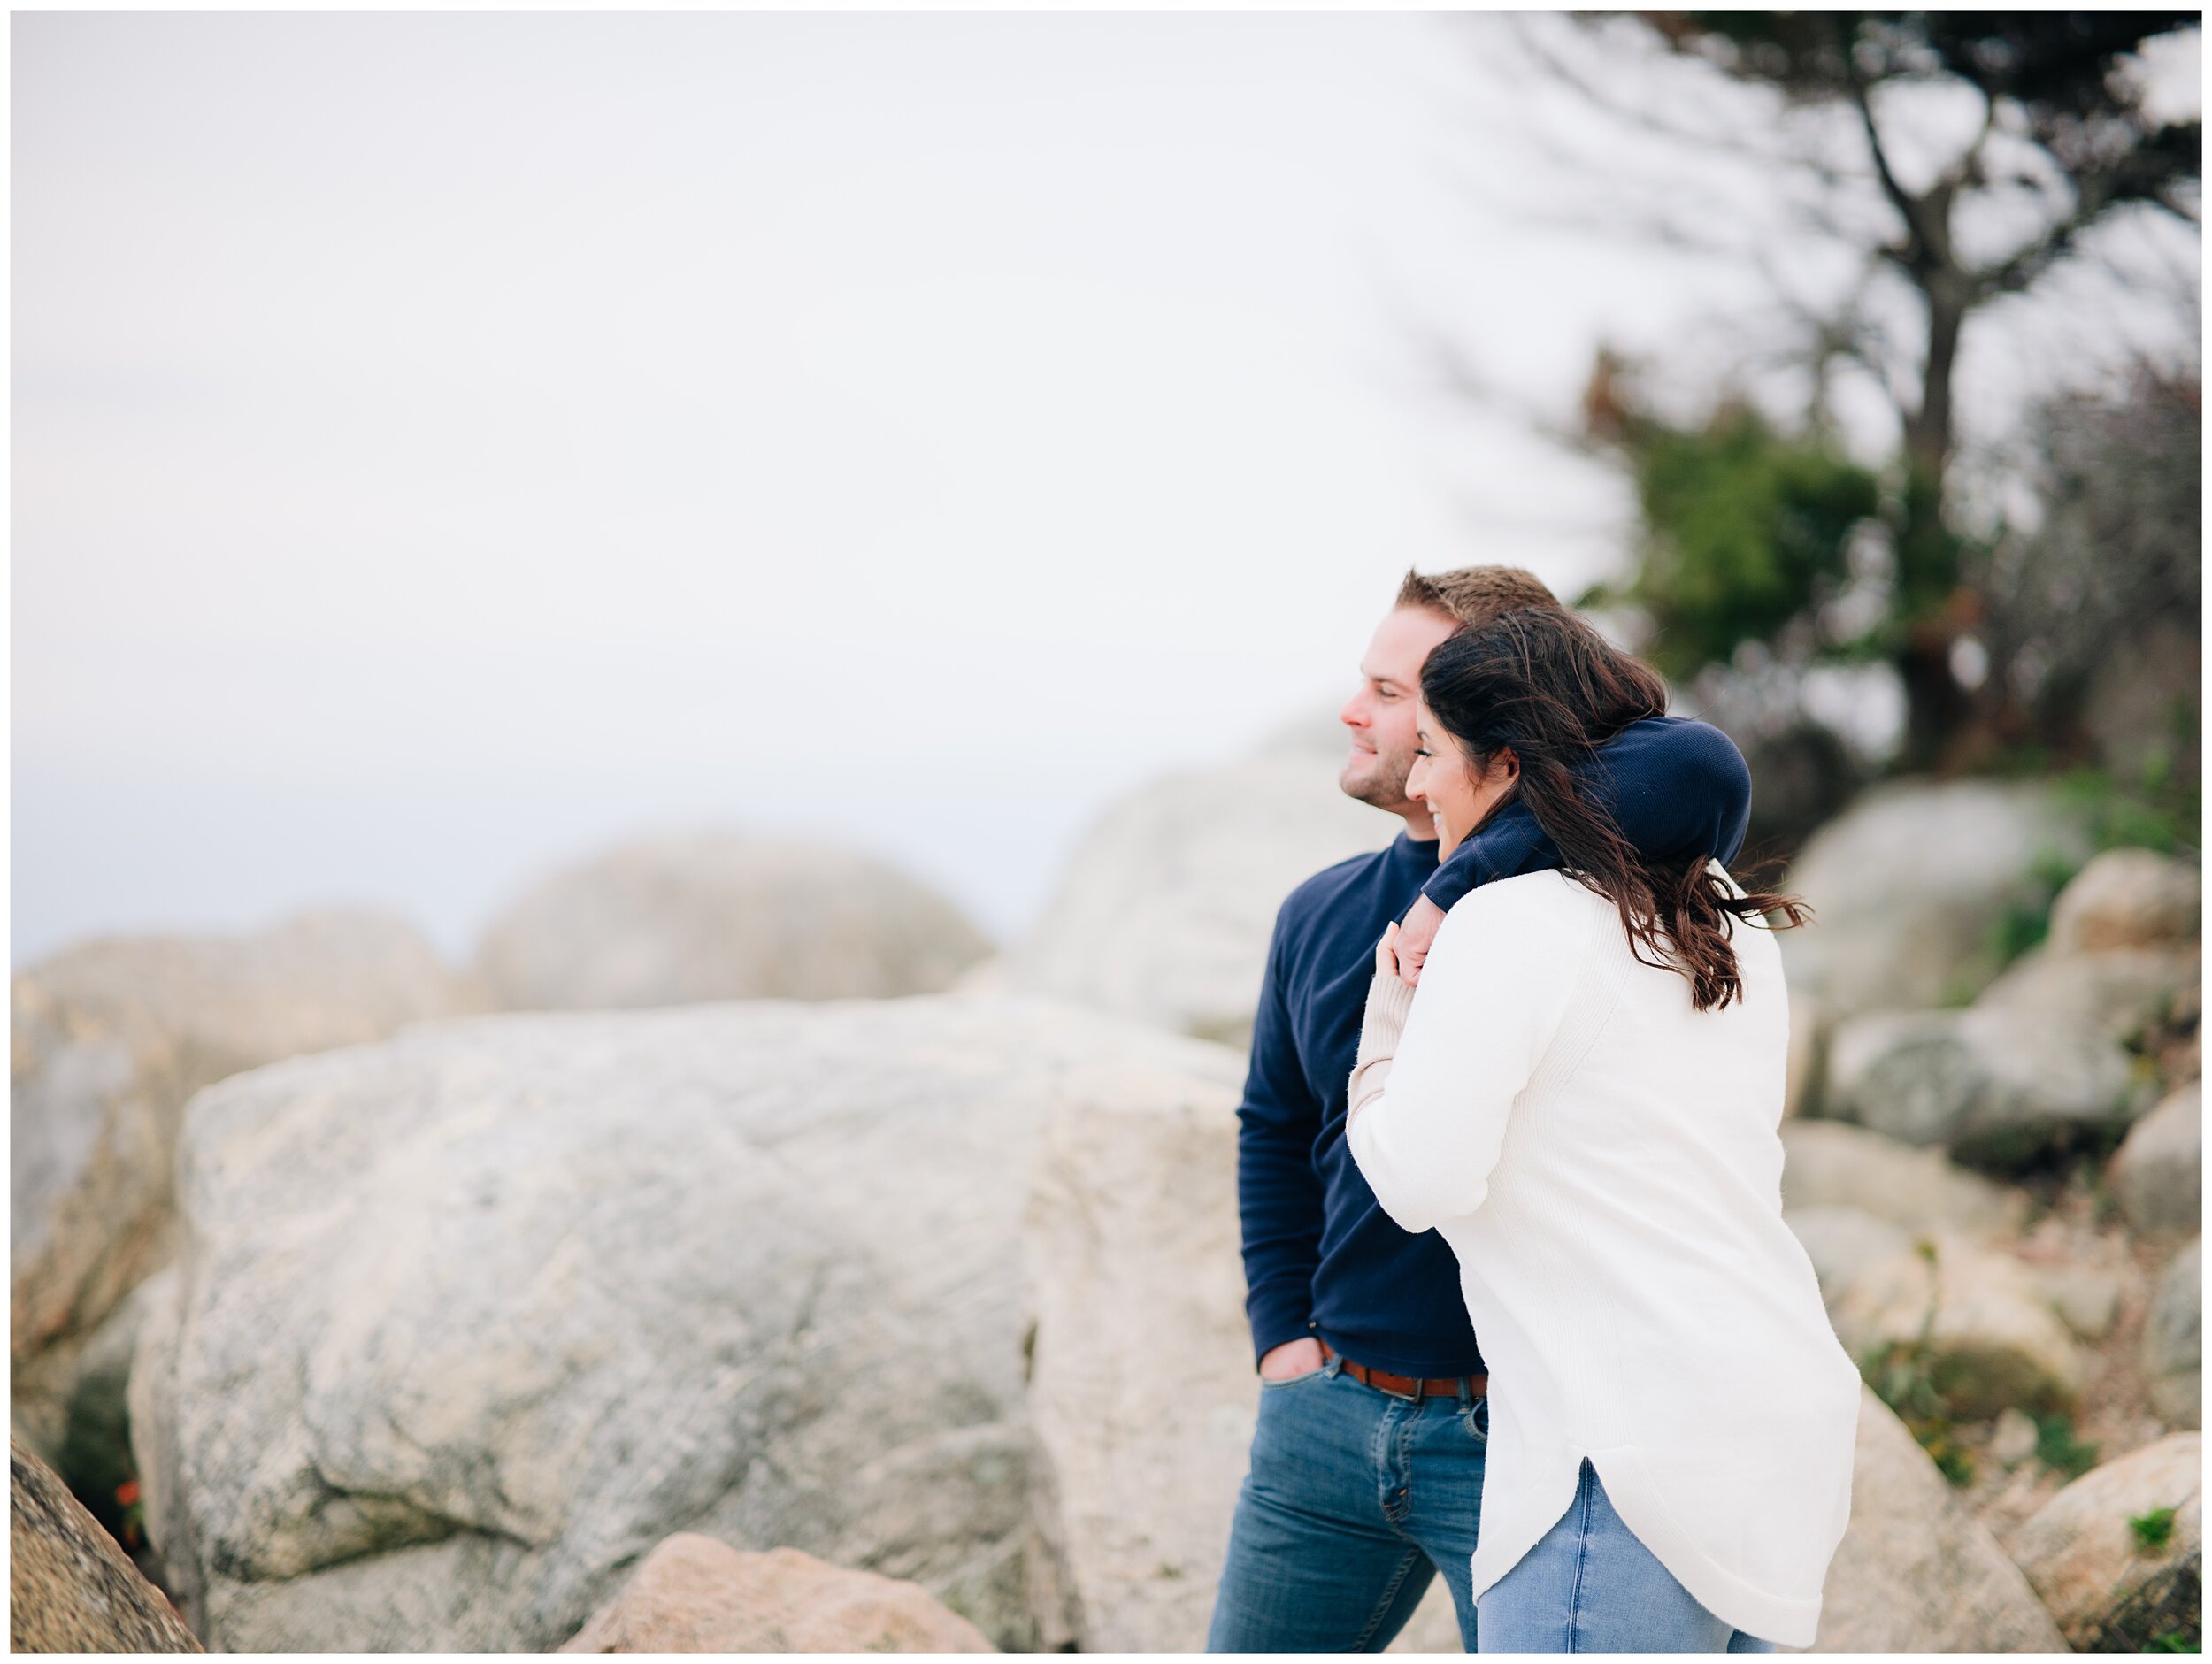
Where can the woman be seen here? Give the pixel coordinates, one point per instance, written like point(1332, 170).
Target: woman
point(1584, 1102)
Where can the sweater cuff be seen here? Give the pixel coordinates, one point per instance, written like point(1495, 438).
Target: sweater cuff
point(1388, 999)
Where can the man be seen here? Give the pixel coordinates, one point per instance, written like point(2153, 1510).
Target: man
point(1367, 1462)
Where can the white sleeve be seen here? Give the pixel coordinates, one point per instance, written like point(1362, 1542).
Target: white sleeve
point(1493, 994)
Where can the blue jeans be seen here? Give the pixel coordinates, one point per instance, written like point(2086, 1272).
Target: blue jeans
point(1590, 1586)
point(1354, 1502)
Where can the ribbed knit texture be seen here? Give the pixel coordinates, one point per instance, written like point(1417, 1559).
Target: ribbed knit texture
point(1604, 1161)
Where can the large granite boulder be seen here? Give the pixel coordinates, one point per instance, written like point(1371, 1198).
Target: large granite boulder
point(1912, 884)
point(689, 916)
point(2173, 1340)
point(2128, 899)
point(1992, 1337)
point(2157, 1174)
point(70, 1587)
point(1833, 1164)
point(469, 1321)
point(2111, 1585)
point(1917, 1572)
point(2000, 1089)
point(109, 1039)
point(1168, 903)
point(694, 1594)
point(1142, 1390)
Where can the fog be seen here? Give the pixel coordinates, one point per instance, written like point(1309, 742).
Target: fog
point(446, 445)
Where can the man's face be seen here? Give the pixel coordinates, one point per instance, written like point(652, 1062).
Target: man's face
point(1380, 716)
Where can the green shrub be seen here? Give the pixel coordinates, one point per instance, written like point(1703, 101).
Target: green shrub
point(2058, 1448)
point(2153, 1530)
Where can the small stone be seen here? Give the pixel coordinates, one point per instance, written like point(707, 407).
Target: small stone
point(2085, 1297)
point(2173, 1340)
point(1999, 1088)
point(2127, 898)
point(2121, 994)
point(2157, 1174)
point(1833, 1164)
point(2014, 1441)
point(694, 1594)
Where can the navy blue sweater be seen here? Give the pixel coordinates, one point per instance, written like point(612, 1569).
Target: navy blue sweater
point(1320, 1255)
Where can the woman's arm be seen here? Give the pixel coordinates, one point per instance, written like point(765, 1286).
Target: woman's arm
point(1438, 1072)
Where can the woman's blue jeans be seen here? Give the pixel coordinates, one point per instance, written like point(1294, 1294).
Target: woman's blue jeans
point(1354, 1502)
point(1589, 1586)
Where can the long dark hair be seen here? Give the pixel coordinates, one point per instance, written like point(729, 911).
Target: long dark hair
point(1542, 681)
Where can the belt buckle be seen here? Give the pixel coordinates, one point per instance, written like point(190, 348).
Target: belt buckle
point(1420, 1391)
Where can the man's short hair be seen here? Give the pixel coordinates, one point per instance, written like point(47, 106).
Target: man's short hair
point(1475, 594)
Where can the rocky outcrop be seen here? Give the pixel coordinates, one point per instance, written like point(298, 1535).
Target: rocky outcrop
point(1167, 903)
point(1131, 1258)
point(70, 1589)
point(693, 1594)
point(2000, 1089)
point(1992, 1338)
point(109, 1040)
point(1911, 884)
point(2157, 1174)
point(2173, 1340)
point(2128, 899)
point(2118, 1557)
point(686, 917)
point(469, 1321)
point(1142, 1391)
point(1916, 1572)
point(1832, 1164)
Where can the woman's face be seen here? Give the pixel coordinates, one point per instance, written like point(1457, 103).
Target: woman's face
point(1459, 799)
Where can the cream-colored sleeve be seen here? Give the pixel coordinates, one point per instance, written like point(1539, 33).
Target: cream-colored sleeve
point(1388, 999)
point(1493, 992)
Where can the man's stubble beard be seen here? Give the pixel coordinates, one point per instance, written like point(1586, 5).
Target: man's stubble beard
point(1382, 786)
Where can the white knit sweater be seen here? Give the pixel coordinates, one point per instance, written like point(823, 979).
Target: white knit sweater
point(1604, 1161)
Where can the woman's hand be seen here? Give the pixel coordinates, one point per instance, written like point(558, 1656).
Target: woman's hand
point(1387, 953)
point(1412, 946)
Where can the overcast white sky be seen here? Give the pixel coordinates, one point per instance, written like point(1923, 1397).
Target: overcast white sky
point(445, 445)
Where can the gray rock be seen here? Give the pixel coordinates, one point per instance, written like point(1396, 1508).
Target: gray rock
point(1917, 1572)
point(2014, 1439)
point(1131, 1257)
point(2000, 1089)
point(1841, 1242)
point(2128, 898)
point(2121, 993)
point(2110, 1590)
point(1993, 1340)
point(1129, 1253)
point(2173, 1340)
point(1911, 883)
point(689, 916)
point(1167, 905)
point(2157, 1174)
point(110, 1037)
point(1832, 1164)
point(468, 1322)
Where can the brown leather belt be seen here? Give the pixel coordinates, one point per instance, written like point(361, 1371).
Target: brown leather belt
point(1406, 1386)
